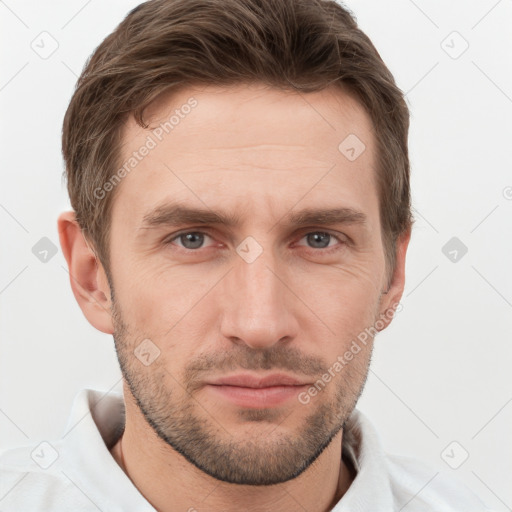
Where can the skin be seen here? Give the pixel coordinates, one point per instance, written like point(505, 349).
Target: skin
point(262, 154)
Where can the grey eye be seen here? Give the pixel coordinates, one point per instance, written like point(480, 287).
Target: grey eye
point(318, 239)
point(192, 240)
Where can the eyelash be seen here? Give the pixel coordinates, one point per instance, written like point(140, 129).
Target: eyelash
point(343, 242)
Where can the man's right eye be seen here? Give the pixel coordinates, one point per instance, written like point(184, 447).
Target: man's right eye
point(189, 240)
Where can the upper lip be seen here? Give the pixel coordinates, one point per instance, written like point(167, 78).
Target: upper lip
point(246, 380)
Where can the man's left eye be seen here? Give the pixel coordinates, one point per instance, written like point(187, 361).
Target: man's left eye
point(320, 239)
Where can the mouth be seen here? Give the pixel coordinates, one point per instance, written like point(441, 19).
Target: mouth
point(252, 391)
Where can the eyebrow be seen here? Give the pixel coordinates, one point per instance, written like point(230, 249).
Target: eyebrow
point(172, 215)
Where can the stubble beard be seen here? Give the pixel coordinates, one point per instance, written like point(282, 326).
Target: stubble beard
point(273, 456)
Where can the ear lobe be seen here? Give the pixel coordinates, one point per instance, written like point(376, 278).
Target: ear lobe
point(391, 298)
point(87, 276)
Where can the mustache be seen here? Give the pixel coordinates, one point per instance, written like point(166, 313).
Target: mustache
point(242, 357)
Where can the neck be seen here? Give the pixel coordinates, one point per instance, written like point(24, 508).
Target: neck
point(169, 482)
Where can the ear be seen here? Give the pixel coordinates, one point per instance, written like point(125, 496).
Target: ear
point(390, 299)
point(87, 276)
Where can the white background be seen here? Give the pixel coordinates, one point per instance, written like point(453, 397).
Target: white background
point(440, 373)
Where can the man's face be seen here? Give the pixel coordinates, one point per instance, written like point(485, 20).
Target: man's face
point(198, 300)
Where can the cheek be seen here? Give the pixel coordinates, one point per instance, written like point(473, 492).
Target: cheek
point(346, 298)
point(353, 282)
point(172, 307)
point(152, 295)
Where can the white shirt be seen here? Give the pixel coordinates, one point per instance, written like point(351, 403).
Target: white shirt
point(78, 473)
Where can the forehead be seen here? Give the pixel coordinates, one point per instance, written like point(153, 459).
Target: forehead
point(249, 147)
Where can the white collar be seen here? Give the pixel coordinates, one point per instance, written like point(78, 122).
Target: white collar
point(97, 420)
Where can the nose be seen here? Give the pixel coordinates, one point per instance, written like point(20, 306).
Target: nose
point(258, 307)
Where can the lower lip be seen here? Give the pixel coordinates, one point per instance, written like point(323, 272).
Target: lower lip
point(257, 397)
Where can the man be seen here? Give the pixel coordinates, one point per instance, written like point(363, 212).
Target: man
point(239, 175)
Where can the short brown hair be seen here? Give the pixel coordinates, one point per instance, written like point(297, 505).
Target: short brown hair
point(163, 45)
